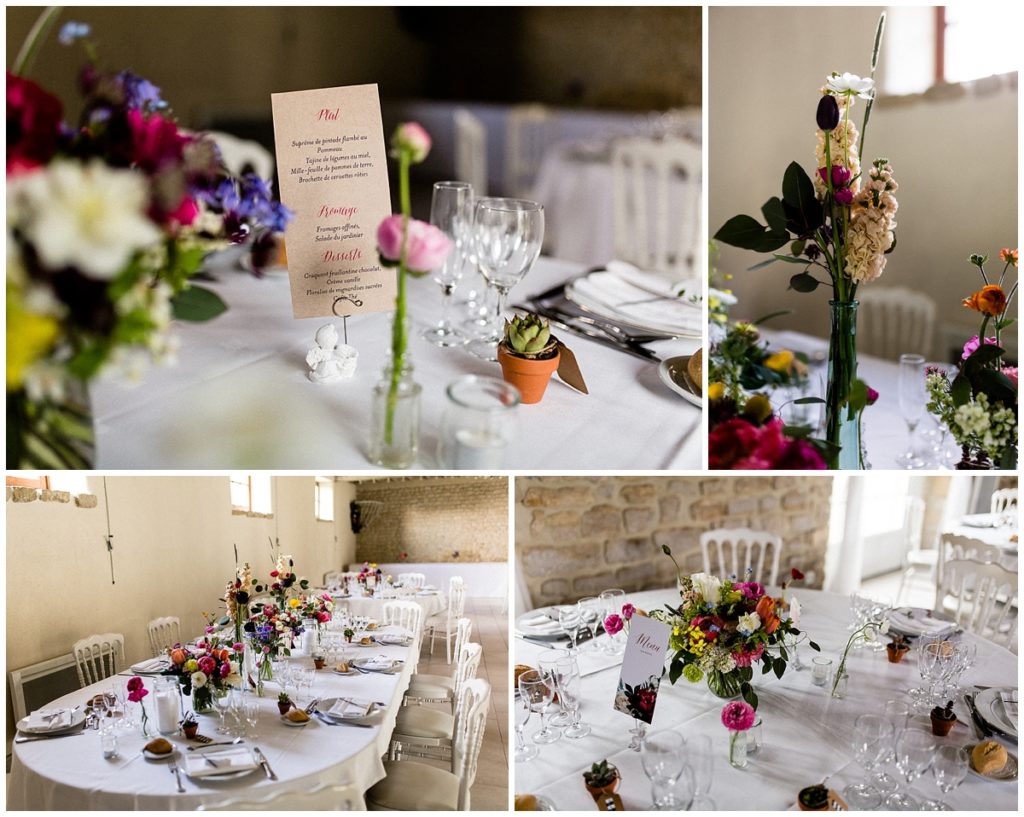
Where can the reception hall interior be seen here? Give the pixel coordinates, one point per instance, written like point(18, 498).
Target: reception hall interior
point(587, 121)
point(252, 641)
point(814, 642)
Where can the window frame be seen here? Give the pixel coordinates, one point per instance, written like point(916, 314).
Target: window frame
point(41, 483)
point(318, 503)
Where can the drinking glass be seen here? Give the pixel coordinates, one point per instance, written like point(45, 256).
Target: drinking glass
point(914, 750)
point(569, 621)
point(108, 737)
point(611, 602)
point(871, 743)
point(590, 616)
point(701, 763)
point(555, 665)
point(821, 669)
point(521, 706)
point(508, 238)
point(222, 700)
point(943, 454)
point(536, 690)
point(251, 711)
point(673, 795)
point(949, 766)
point(662, 755)
point(451, 211)
point(479, 423)
point(912, 403)
point(572, 697)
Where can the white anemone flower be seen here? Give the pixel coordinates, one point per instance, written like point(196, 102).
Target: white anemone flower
point(748, 623)
point(199, 679)
point(883, 628)
point(89, 216)
point(709, 587)
point(848, 84)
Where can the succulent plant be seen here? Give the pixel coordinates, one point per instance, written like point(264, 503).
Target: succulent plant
point(899, 641)
point(944, 713)
point(527, 336)
point(814, 797)
point(283, 698)
point(189, 720)
point(601, 775)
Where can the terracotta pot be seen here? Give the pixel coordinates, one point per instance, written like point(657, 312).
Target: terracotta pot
point(895, 653)
point(191, 731)
point(942, 727)
point(611, 788)
point(531, 377)
point(318, 663)
point(283, 708)
point(826, 805)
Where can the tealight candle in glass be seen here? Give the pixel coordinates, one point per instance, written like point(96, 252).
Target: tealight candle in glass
point(755, 738)
point(821, 669)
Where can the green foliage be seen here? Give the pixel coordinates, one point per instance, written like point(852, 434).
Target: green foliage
point(197, 304)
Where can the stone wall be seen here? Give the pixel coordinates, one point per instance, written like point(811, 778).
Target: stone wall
point(576, 536)
point(434, 518)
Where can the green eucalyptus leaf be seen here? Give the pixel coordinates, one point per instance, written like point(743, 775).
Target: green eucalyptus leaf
point(960, 389)
point(197, 304)
point(803, 282)
point(814, 646)
point(789, 259)
point(762, 264)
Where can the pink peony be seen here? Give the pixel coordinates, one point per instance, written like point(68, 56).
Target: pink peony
point(426, 249)
point(972, 346)
point(323, 617)
point(627, 611)
point(136, 691)
point(225, 670)
point(744, 658)
point(738, 716)
point(1011, 372)
point(750, 590)
point(800, 455)
point(413, 138)
point(207, 664)
point(613, 624)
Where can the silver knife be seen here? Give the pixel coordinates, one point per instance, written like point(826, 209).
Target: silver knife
point(597, 336)
point(980, 728)
point(264, 763)
point(30, 738)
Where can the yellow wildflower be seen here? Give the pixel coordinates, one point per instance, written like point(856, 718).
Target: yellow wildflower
point(716, 391)
point(29, 337)
point(781, 361)
point(293, 603)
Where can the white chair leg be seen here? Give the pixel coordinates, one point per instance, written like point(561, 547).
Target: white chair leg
point(903, 582)
point(431, 641)
point(448, 645)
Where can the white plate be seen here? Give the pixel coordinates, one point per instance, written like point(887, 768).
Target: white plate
point(363, 662)
point(344, 674)
point(325, 706)
point(990, 705)
point(673, 374)
point(551, 631)
point(1008, 774)
point(394, 640)
point(918, 613)
point(77, 719)
point(157, 758)
point(217, 777)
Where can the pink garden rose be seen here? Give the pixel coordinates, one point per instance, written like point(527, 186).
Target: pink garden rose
point(412, 137)
point(426, 249)
point(207, 664)
point(972, 346)
point(613, 624)
point(738, 716)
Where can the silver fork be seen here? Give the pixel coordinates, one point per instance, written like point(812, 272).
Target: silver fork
point(177, 776)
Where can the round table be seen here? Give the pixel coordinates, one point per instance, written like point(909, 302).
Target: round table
point(68, 773)
point(806, 732)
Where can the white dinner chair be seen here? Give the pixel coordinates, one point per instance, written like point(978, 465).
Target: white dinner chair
point(1004, 500)
point(424, 732)
point(738, 550)
point(471, 151)
point(529, 131)
point(440, 689)
point(413, 786)
point(243, 155)
point(164, 633)
point(414, 580)
point(916, 560)
point(443, 624)
point(990, 609)
point(320, 798)
point(98, 657)
point(652, 229)
point(892, 321)
point(405, 614)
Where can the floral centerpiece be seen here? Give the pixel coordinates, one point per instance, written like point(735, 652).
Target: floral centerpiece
point(723, 627)
point(109, 217)
point(369, 574)
point(207, 669)
point(283, 581)
point(842, 223)
point(414, 248)
point(979, 405)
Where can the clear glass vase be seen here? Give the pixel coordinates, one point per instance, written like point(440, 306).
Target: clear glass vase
point(738, 749)
point(842, 427)
point(395, 418)
point(728, 684)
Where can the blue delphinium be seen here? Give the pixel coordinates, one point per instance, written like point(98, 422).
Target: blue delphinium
point(140, 93)
point(72, 31)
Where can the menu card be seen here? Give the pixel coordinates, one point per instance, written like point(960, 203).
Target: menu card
point(642, 667)
point(333, 174)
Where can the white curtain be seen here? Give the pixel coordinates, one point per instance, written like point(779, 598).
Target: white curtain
point(845, 553)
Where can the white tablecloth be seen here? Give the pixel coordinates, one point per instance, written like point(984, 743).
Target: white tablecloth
point(806, 732)
point(373, 606)
point(239, 396)
point(68, 773)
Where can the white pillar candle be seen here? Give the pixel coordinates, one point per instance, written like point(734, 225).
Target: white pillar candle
point(167, 712)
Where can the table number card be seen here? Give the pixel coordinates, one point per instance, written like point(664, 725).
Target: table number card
point(642, 668)
point(332, 166)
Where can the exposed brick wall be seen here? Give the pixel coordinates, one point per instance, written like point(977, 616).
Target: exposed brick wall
point(432, 517)
point(576, 536)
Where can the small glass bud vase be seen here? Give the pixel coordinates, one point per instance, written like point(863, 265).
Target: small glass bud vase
point(395, 419)
point(839, 683)
point(738, 749)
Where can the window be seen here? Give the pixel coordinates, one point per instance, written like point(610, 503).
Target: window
point(251, 494)
point(74, 483)
point(323, 499)
point(29, 479)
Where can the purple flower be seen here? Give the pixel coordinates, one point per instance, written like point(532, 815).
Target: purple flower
point(738, 716)
point(627, 611)
point(613, 624)
point(840, 175)
point(827, 114)
point(139, 93)
point(843, 195)
point(750, 590)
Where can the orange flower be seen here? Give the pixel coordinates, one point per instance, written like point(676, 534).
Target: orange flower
point(221, 654)
point(1009, 256)
point(178, 656)
point(766, 612)
point(989, 300)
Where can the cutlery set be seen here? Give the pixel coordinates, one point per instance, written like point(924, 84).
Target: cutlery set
point(983, 728)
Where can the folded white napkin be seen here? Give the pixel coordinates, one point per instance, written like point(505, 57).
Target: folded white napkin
point(980, 520)
point(378, 662)
point(228, 760)
point(51, 719)
point(917, 624)
point(1009, 698)
point(350, 708)
point(657, 283)
point(614, 297)
point(152, 665)
point(537, 621)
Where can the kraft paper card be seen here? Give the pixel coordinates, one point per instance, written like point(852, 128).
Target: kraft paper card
point(333, 172)
point(642, 668)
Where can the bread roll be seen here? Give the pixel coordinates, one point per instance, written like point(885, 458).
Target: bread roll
point(988, 757)
point(695, 368)
point(342, 667)
point(526, 802)
point(160, 746)
point(297, 716)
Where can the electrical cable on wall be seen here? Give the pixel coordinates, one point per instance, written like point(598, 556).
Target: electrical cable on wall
point(110, 535)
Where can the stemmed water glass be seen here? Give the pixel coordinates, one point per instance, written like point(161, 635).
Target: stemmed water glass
point(949, 766)
point(872, 742)
point(451, 211)
point(538, 692)
point(509, 234)
point(912, 403)
point(590, 615)
point(222, 700)
point(702, 763)
point(555, 665)
point(943, 454)
point(569, 621)
point(521, 706)
point(914, 750)
point(663, 760)
point(251, 712)
point(572, 699)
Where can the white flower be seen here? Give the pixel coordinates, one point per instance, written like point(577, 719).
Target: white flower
point(88, 216)
point(850, 85)
point(748, 623)
point(199, 679)
point(709, 587)
point(883, 628)
point(869, 634)
point(794, 611)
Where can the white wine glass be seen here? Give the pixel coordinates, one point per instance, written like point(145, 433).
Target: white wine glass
point(912, 403)
point(451, 211)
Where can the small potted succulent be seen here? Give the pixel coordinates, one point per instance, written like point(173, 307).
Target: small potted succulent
point(349, 632)
point(318, 660)
point(943, 719)
point(190, 725)
point(284, 703)
point(528, 355)
point(813, 798)
point(897, 648)
point(602, 779)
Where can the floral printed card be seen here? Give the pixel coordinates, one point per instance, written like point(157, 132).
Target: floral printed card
point(642, 667)
point(332, 167)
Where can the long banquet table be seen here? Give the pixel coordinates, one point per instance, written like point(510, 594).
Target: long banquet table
point(373, 606)
point(806, 731)
point(239, 395)
point(68, 773)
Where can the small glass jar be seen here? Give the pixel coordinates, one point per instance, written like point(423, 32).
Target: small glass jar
point(108, 740)
point(738, 749)
point(821, 670)
point(478, 424)
point(839, 680)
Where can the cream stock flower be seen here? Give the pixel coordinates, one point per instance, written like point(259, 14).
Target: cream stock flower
point(872, 221)
point(843, 151)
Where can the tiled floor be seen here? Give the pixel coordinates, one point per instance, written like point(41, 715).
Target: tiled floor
point(490, 630)
point(918, 592)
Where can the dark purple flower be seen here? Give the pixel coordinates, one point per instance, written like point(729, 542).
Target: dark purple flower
point(872, 396)
point(828, 113)
point(33, 125)
point(843, 195)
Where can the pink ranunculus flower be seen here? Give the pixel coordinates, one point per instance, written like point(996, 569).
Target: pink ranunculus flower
point(872, 396)
point(207, 664)
point(738, 716)
point(1011, 372)
point(323, 617)
point(628, 610)
point(238, 647)
point(750, 590)
point(426, 247)
point(613, 624)
point(746, 659)
point(225, 670)
point(972, 346)
point(412, 137)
